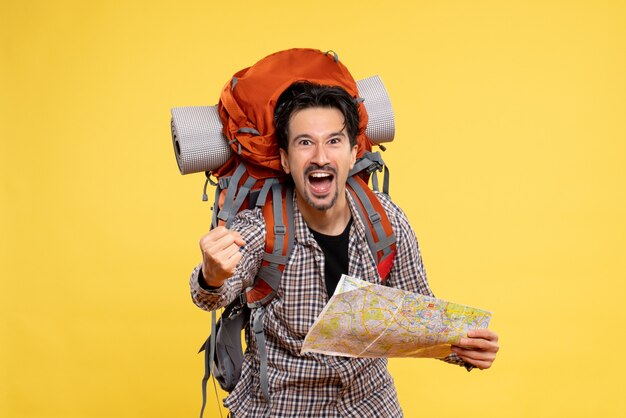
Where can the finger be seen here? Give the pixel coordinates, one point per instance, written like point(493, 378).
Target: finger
point(233, 261)
point(474, 354)
point(476, 357)
point(228, 246)
point(230, 236)
point(478, 343)
point(217, 268)
point(216, 233)
point(238, 240)
point(228, 265)
point(216, 244)
point(223, 260)
point(230, 251)
point(483, 333)
point(481, 364)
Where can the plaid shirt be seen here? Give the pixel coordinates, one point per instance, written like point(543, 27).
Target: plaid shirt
point(310, 384)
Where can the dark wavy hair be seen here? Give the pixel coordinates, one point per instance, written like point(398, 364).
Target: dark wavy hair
point(304, 95)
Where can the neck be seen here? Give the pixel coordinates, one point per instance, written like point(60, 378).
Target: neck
point(328, 222)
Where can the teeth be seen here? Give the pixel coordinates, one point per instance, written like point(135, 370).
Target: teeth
point(320, 175)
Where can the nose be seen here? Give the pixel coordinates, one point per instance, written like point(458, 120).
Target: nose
point(320, 157)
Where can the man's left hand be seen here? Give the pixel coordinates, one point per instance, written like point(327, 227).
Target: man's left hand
point(479, 348)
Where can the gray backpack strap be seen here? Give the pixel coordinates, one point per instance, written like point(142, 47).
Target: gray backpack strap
point(385, 242)
point(260, 201)
point(371, 162)
point(218, 191)
point(209, 352)
point(228, 211)
point(269, 275)
point(290, 222)
point(270, 271)
point(244, 191)
point(385, 181)
point(375, 181)
point(257, 327)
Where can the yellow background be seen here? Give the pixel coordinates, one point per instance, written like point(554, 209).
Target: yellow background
point(509, 158)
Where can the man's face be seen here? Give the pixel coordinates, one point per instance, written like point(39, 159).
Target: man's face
point(319, 157)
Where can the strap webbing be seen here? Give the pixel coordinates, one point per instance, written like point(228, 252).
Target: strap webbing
point(375, 181)
point(259, 335)
point(374, 218)
point(269, 274)
point(368, 232)
point(227, 211)
point(290, 221)
point(218, 191)
point(371, 162)
point(209, 352)
point(386, 243)
point(247, 130)
point(386, 181)
point(244, 191)
point(275, 258)
point(273, 272)
point(260, 201)
point(279, 226)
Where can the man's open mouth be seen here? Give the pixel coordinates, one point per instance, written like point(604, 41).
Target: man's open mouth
point(321, 182)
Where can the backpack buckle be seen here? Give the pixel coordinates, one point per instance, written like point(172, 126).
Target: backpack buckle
point(280, 229)
point(238, 308)
point(374, 218)
point(223, 182)
point(374, 166)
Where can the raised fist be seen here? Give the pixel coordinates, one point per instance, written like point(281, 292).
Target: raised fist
point(220, 255)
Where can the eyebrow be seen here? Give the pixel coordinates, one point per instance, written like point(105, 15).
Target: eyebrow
point(331, 135)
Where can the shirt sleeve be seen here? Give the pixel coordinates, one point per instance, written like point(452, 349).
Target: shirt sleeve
point(408, 271)
point(251, 227)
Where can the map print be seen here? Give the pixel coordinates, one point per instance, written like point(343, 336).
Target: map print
point(369, 320)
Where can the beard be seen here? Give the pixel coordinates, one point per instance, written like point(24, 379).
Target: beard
point(320, 206)
point(310, 200)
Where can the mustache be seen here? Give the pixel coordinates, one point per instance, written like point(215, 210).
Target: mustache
point(315, 167)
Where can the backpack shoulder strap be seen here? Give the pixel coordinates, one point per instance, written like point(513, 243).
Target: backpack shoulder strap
point(231, 193)
point(378, 231)
point(278, 214)
point(279, 239)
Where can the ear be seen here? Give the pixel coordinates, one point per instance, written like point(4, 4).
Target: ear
point(353, 156)
point(284, 161)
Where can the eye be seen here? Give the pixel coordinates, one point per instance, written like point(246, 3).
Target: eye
point(304, 142)
point(335, 140)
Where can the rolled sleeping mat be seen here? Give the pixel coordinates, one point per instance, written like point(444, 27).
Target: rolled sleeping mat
point(200, 145)
point(380, 121)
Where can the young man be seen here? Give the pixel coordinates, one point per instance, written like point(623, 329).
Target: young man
point(316, 128)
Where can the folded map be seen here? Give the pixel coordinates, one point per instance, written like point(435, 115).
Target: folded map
point(363, 319)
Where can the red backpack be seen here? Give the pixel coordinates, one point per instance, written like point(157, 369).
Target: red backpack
point(252, 177)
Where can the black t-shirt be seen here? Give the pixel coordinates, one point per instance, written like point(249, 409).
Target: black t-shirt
point(335, 249)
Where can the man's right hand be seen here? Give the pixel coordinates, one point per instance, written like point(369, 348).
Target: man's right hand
point(220, 255)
